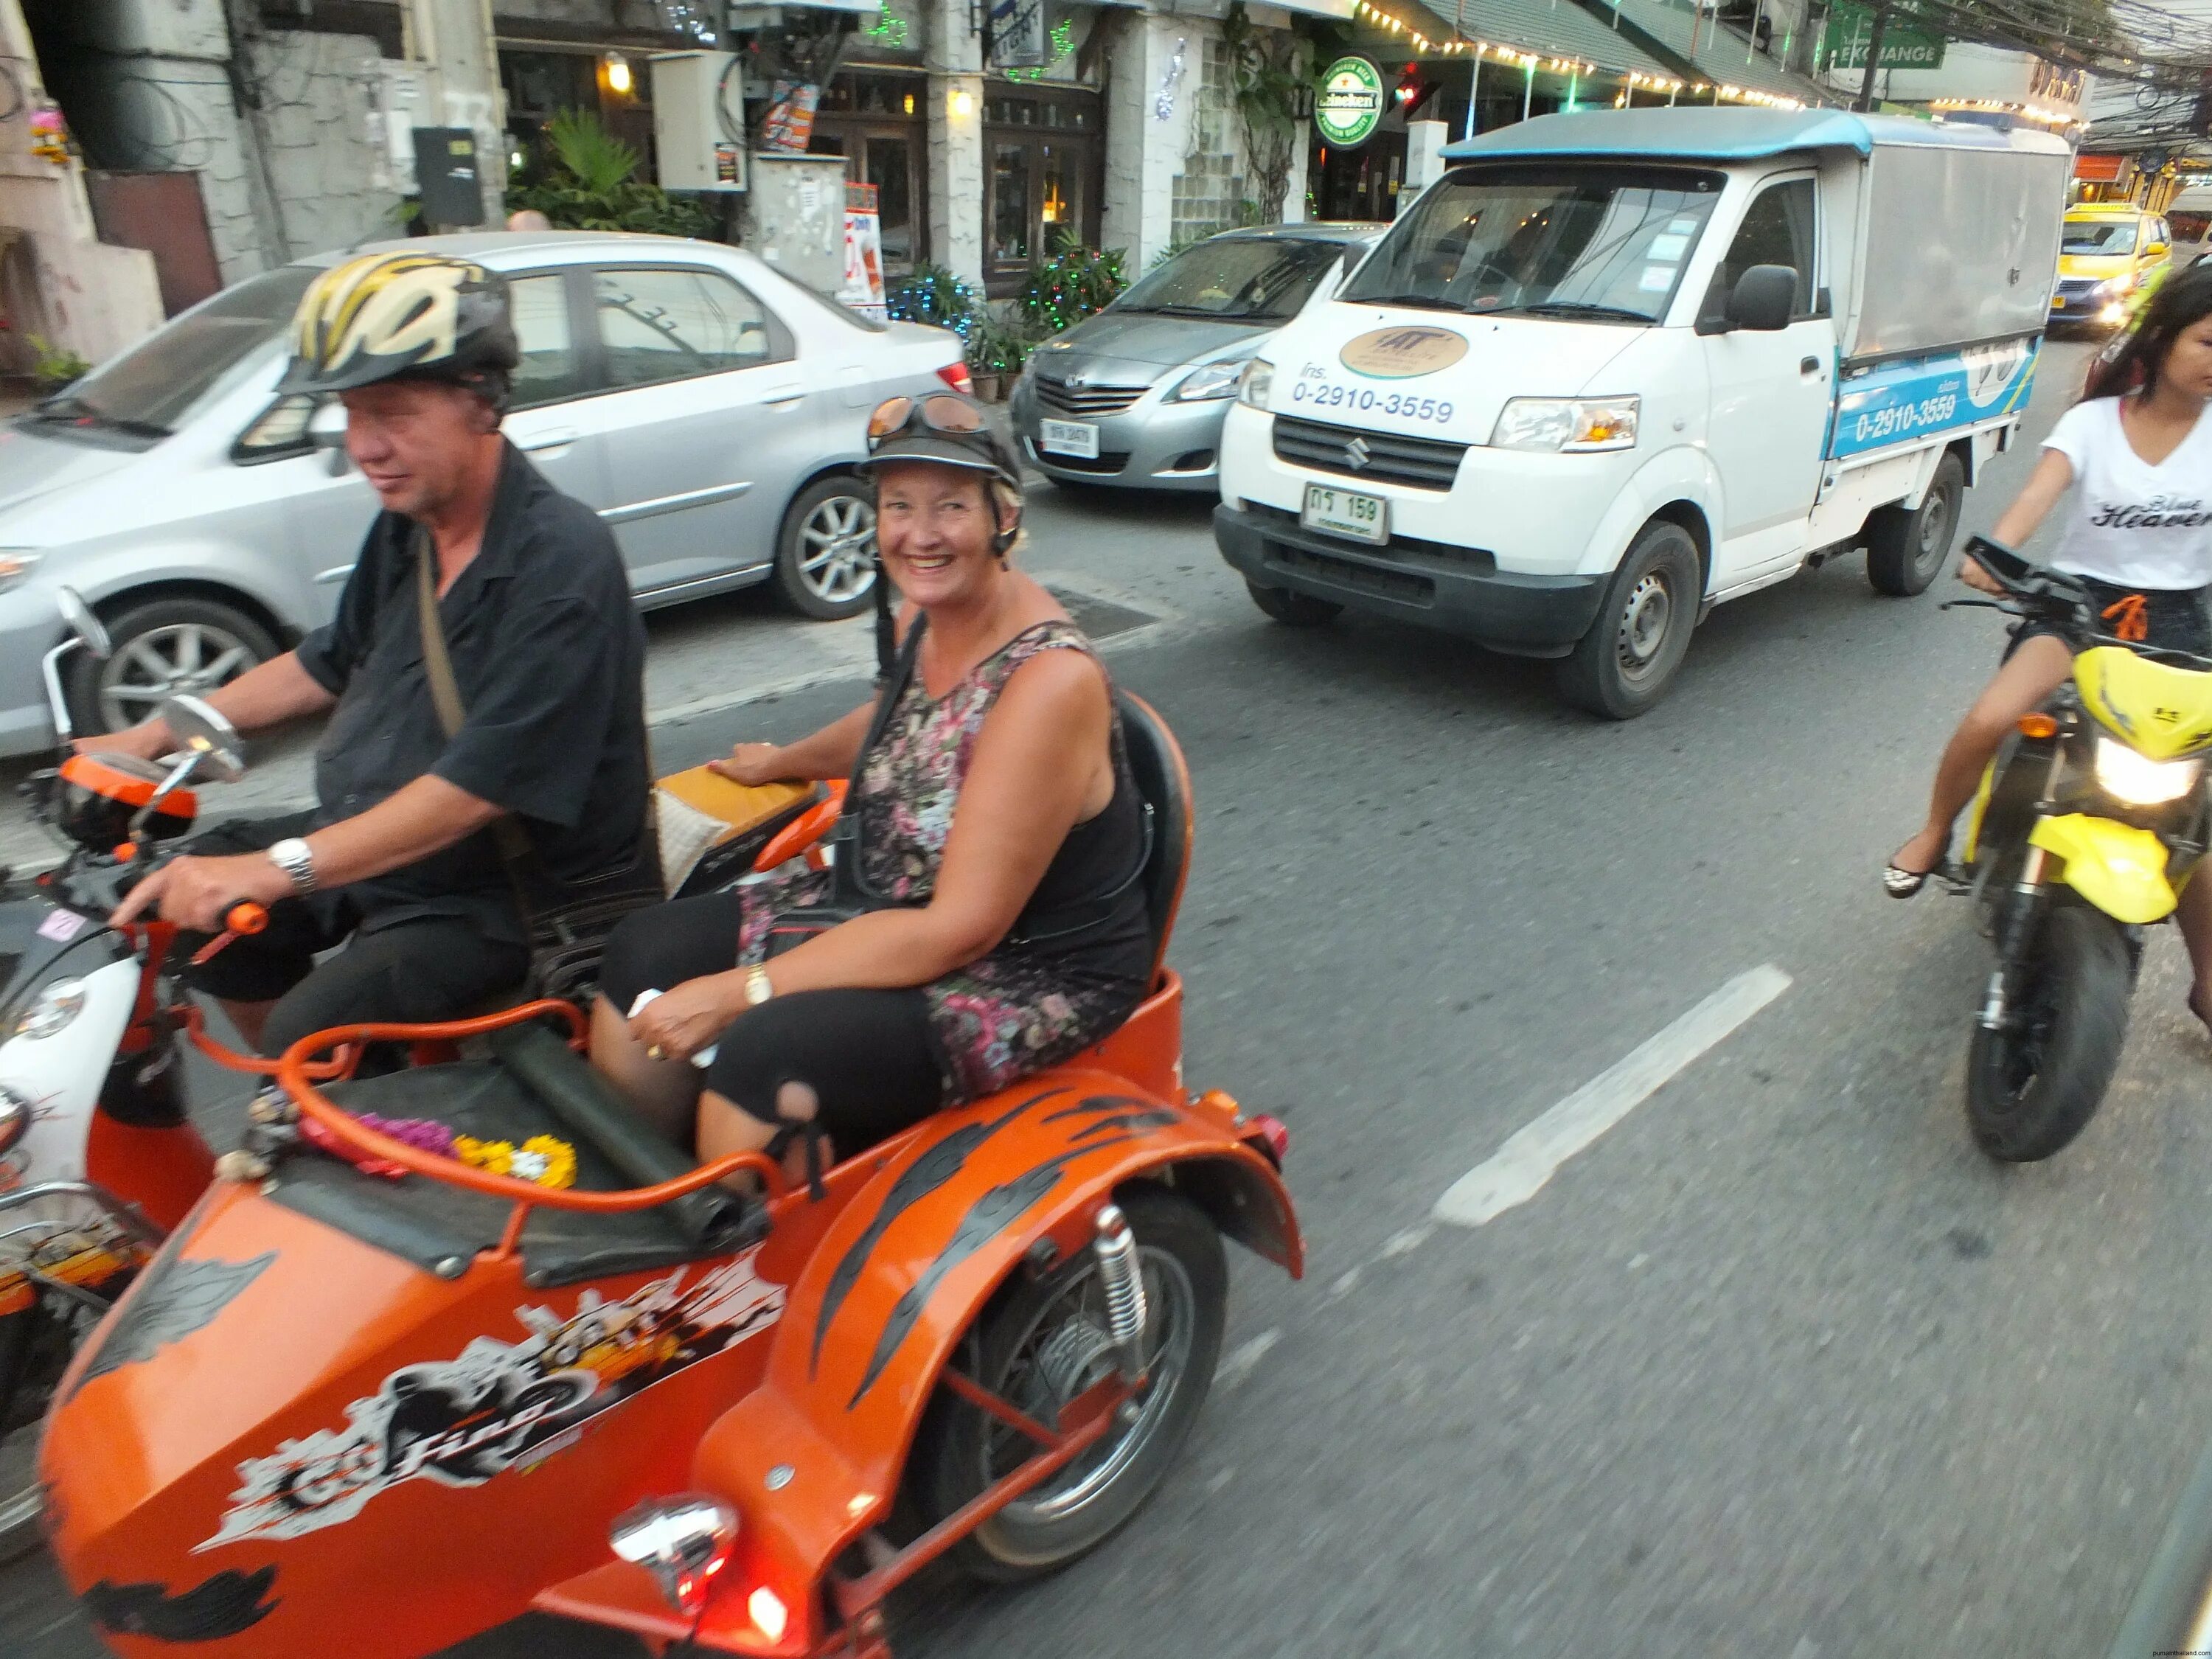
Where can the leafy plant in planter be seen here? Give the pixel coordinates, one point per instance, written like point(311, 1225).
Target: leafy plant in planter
point(1267, 83)
point(994, 348)
point(1075, 283)
point(933, 294)
point(589, 183)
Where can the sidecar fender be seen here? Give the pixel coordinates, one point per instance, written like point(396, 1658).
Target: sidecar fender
point(2119, 869)
point(813, 1457)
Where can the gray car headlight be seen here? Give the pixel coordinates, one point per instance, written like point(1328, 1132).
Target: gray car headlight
point(50, 1011)
point(1209, 381)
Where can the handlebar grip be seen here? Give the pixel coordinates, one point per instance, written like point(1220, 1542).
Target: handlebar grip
point(246, 917)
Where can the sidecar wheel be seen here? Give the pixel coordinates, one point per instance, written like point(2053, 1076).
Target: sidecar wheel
point(2031, 1089)
point(1033, 1327)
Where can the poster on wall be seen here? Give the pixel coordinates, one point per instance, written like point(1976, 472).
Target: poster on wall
point(1017, 35)
point(789, 126)
point(863, 288)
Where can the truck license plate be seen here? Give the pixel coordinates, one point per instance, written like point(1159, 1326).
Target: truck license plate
point(1341, 513)
point(1069, 438)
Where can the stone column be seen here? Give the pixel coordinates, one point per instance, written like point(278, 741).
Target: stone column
point(954, 59)
point(454, 38)
point(1145, 151)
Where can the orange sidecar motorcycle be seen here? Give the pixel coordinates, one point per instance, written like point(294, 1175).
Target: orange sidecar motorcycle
point(370, 1398)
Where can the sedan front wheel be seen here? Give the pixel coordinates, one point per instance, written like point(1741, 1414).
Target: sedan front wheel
point(825, 558)
point(163, 646)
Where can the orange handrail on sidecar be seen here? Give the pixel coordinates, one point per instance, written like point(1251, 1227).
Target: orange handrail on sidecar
point(802, 832)
point(294, 1074)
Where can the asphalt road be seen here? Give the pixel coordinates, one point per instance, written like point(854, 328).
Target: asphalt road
point(1778, 1365)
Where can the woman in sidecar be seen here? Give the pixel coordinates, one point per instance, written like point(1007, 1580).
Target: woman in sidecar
point(984, 917)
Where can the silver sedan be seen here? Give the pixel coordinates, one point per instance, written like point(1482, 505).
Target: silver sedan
point(710, 408)
point(1135, 395)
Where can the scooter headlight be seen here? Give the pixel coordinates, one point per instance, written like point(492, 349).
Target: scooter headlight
point(15, 1118)
point(2139, 780)
point(684, 1542)
point(49, 1011)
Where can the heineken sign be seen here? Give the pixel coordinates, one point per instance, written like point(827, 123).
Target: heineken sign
point(1348, 107)
point(1843, 43)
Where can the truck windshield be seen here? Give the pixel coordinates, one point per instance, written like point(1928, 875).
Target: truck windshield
point(160, 383)
point(1235, 279)
point(1605, 242)
point(2098, 236)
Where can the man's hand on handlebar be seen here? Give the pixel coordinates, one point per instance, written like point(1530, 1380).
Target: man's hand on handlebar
point(147, 740)
point(753, 764)
point(197, 894)
point(1972, 573)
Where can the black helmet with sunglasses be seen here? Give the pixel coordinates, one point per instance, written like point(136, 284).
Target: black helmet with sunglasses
point(944, 429)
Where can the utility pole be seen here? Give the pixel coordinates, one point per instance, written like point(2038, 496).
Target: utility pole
point(1865, 99)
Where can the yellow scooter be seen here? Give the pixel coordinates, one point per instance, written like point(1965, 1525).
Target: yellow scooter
point(2088, 823)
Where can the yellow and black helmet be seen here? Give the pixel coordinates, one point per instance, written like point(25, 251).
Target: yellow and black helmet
point(387, 315)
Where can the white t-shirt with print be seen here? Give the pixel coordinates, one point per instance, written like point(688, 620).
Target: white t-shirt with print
point(2132, 524)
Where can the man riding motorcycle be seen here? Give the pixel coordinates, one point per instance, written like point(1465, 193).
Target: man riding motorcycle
point(485, 758)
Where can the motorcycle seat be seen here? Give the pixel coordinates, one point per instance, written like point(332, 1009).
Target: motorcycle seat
point(530, 1084)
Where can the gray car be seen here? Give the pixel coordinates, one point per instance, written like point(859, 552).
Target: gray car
point(708, 407)
point(1135, 395)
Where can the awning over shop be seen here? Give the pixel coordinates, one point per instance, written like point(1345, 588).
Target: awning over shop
point(1339, 9)
point(1548, 30)
point(1723, 58)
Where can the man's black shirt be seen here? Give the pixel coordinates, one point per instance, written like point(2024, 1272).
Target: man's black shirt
point(549, 657)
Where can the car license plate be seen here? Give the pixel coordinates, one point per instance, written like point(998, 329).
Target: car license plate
point(1069, 438)
point(1341, 513)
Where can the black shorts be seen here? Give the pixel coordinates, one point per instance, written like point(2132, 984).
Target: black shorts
point(411, 972)
point(871, 1056)
point(2171, 619)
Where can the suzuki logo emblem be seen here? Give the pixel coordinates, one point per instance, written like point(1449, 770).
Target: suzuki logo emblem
point(1356, 452)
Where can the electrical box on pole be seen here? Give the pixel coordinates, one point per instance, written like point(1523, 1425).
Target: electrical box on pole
point(699, 121)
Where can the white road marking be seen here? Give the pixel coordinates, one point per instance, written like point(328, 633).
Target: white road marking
point(1516, 1172)
point(1240, 1363)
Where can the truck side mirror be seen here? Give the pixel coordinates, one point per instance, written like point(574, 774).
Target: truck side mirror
point(1763, 299)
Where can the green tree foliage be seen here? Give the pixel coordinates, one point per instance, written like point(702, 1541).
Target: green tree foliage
point(588, 182)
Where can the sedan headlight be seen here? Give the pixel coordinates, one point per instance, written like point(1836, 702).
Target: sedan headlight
point(2139, 780)
point(50, 1011)
point(16, 565)
point(1209, 381)
point(1254, 384)
point(1570, 425)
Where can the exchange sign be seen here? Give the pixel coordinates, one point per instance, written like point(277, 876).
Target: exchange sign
point(1349, 106)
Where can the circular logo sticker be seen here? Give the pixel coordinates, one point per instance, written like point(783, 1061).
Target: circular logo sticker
point(1349, 105)
point(1400, 354)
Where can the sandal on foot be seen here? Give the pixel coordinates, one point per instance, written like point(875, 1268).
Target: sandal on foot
point(1902, 884)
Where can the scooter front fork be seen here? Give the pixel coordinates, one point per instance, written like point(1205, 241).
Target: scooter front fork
point(2013, 932)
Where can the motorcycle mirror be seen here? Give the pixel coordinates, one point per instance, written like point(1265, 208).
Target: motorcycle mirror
point(206, 737)
point(326, 431)
point(84, 623)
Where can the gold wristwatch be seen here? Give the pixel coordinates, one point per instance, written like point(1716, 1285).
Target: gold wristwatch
point(758, 987)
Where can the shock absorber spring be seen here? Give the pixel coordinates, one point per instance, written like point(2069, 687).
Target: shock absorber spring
point(1123, 1281)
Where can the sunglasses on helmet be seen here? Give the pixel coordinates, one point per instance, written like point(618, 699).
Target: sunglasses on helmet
point(942, 412)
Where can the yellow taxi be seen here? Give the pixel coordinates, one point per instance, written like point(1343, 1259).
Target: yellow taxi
point(2105, 251)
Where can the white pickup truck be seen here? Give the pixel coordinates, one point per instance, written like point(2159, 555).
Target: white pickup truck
point(1614, 367)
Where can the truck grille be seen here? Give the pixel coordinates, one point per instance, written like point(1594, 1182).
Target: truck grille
point(1382, 457)
point(1070, 398)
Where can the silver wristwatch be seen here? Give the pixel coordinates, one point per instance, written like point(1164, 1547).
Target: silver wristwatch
point(297, 860)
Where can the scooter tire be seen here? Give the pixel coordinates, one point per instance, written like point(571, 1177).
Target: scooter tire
point(1186, 1275)
point(2024, 1107)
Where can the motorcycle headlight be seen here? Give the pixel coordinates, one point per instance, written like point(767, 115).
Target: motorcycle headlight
point(50, 1011)
point(15, 1117)
point(1254, 384)
point(2139, 780)
point(1208, 380)
point(1571, 425)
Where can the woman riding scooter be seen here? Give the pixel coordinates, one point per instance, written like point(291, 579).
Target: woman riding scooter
point(998, 835)
point(2138, 530)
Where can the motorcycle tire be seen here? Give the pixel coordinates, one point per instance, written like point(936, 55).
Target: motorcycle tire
point(960, 1451)
point(1907, 548)
point(2032, 1088)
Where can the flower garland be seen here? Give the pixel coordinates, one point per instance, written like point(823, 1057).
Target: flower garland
point(544, 1159)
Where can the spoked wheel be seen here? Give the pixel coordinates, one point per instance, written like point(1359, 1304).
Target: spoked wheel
point(35, 1346)
point(163, 648)
point(1042, 1344)
point(825, 562)
point(2031, 1087)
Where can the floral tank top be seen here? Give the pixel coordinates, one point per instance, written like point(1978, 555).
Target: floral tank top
point(1046, 991)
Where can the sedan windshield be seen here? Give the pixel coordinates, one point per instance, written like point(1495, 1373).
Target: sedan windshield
point(157, 386)
point(1605, 242)
point(2098, 236)
point(1258, 279)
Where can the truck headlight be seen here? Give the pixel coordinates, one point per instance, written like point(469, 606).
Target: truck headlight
point(16, 564)
point(2139, 780)
point(1569, 425)
point(1209, 381)
point(50, 1010)
point(1254, 384)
